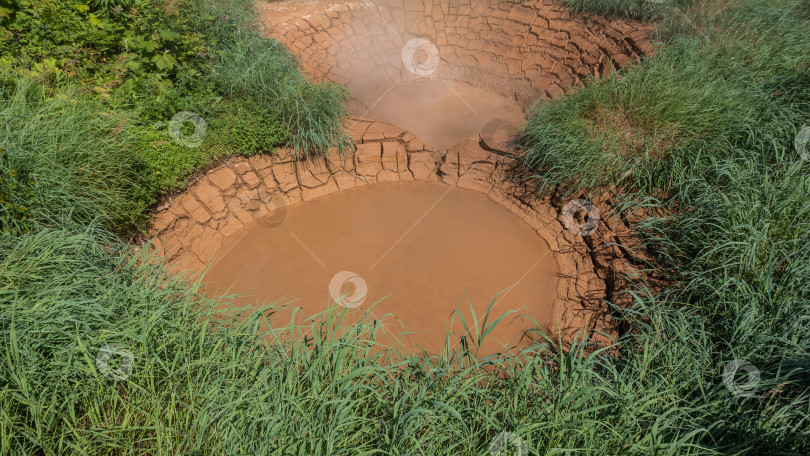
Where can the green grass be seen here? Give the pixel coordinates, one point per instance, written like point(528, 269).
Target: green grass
point(95, 101)
point(703, 98)
point(262, 72)
point(701, 135)
point(146, 60)
point(634, 9)
point(63, 159)
point(205, 382)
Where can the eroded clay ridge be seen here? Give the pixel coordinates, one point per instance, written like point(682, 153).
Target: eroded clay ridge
point(190, 227)
point(521, 49)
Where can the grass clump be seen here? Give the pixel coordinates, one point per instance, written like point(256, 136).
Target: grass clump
point(263, 72)
point(670, 117)
point(64, 158)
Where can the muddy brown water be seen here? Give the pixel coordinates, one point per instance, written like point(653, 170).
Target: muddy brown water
point(421, 251)
point(440, 113)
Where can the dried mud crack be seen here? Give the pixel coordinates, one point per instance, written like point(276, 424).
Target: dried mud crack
point(522, 50)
